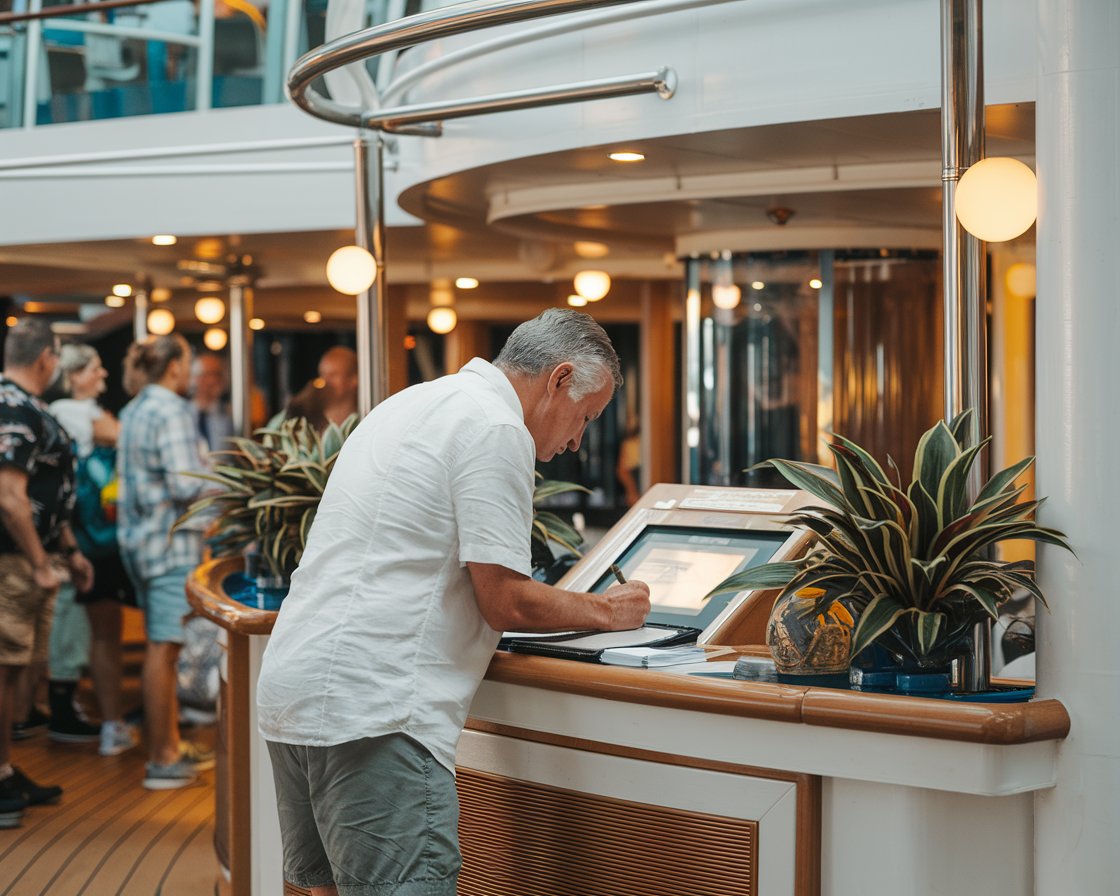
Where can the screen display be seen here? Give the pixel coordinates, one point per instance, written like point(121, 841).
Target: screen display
point(682, 564)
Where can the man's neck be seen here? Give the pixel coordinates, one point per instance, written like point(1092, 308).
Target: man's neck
point(25, 379)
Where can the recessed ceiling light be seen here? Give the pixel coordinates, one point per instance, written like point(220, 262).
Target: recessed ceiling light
point(466, 283)
point(122, 289)
point(758, 284)
point(164, 239)
point(255, 323)
point(816, 283)
point(114, 301)
point(590, 249)
point(576, 300)
point(627, 157)
point(160, 294)
point(312, 317)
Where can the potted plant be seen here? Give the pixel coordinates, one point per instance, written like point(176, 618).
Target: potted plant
point(550, 527)
point(912, 563)
point(266, 491)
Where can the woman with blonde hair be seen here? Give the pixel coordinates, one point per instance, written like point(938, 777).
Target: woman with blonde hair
point(94, 432)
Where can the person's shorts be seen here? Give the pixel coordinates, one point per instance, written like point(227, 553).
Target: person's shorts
point(25, 613)
point(375, 816)
point(110, 582)
point(164, 602)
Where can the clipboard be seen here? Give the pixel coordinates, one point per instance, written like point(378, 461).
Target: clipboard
point(588, 647)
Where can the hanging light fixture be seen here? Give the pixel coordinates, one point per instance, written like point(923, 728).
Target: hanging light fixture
point(997, 199)
point(442, 319)
point(160, 321)
point(351, 270)
point(215, 339)
point(209, 309)
point(592, 285)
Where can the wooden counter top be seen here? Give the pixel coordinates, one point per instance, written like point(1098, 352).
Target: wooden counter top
point(984, 723)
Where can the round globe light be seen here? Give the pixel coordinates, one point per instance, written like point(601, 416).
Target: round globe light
point(351, 270)
point(312, 316)
point(577, 301)
point(256, 323)
point(114, 301)
point(997, 199)
point(1021, 279)
point(123, 290)
point(726, 295)
point(215, 339)
point(160, 321)
point(209, 310)
point(592, 285)
point(442, 320)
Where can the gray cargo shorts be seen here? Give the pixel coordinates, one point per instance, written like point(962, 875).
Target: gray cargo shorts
point(377, 817)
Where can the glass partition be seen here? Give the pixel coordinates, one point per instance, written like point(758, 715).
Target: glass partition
point(150, 58)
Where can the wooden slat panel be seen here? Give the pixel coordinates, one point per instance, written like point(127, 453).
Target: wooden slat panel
point(517, 837)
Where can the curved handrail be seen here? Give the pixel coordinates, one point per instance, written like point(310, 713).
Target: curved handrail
point(408, 32)
point(75, 9)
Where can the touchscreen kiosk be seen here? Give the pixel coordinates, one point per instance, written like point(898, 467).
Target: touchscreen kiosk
point(683, 541)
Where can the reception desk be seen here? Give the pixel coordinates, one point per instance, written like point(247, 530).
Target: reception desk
point(577, 778)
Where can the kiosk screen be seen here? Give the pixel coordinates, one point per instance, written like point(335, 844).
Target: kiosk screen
point(681, 565)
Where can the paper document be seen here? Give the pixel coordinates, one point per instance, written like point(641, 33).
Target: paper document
point(635, 637)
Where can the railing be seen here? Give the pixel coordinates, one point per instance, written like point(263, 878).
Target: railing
point(121, 58)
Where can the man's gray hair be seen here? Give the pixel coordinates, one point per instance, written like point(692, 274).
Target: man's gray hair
point(26, 340)
point(558, 335)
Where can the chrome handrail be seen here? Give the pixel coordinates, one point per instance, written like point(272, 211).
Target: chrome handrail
point(433, 25)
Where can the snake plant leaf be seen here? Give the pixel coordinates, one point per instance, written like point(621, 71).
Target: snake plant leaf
point(869, 463)
point(963, 428)
point(768, 575)
point(547, 488)
point(928, 625)
point(988, 599)
point(881, 612)
point(1004, 478)
point(952, 491)
point(937, 449)
point(804, 476)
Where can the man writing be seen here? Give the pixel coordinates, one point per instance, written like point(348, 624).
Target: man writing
point(417, 560)
point(36, 498)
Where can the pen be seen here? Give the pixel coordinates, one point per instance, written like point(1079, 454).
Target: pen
point(618, 574)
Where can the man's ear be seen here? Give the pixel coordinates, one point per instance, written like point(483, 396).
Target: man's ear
point(561, 377)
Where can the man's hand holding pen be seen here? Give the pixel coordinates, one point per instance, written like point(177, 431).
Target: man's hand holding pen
point(627, 602)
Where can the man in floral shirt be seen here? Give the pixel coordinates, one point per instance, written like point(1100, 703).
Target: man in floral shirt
point(36, 498)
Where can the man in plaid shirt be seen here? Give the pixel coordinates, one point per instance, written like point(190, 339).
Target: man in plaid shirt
point(158, 445)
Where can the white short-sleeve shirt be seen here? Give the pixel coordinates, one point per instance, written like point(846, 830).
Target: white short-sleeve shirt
point(380, 632)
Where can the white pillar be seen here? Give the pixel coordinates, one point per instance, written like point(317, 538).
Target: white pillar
point(1077, 828)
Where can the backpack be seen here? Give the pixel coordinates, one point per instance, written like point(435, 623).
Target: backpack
point(95, 511)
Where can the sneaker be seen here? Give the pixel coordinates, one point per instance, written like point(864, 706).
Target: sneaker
point(170, 776)
point(11, 811)
point(34, 723)
point(196, 756)
point(18, 785)
point(116, 738)
point(75, 730)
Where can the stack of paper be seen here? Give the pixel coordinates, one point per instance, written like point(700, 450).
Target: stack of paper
point(651, 657)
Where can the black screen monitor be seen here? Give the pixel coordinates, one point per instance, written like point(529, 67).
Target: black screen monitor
point(682, 564)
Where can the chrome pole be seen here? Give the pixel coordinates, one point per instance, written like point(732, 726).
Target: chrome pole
point(240, 345)
point(369, 233)
point(962, 145)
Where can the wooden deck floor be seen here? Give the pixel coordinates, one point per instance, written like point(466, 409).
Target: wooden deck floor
point(108, 835)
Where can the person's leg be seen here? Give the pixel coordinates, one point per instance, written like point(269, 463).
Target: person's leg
point(161, 701)
point(105, 656)
point(68, 656)
point(26, 688)
point(305, 860)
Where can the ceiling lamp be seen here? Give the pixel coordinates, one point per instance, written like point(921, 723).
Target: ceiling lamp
point(627, 156)
point(256, 323)
point(726, 295)
point(351, 270)
point(1021, 279)
point(114, 301)
point(442, 319)
point(122, 289)
point(215, 339)
point(816, 283)
point(466, 283)
point(997, 199)
point(590, 249)
point(160, 294)
point(312, 317)
point(161, 321)
point(209, 310)
point(757, 284)
point(577, 301)
point(11, 320)
point(164, 239)
point(592, 285)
